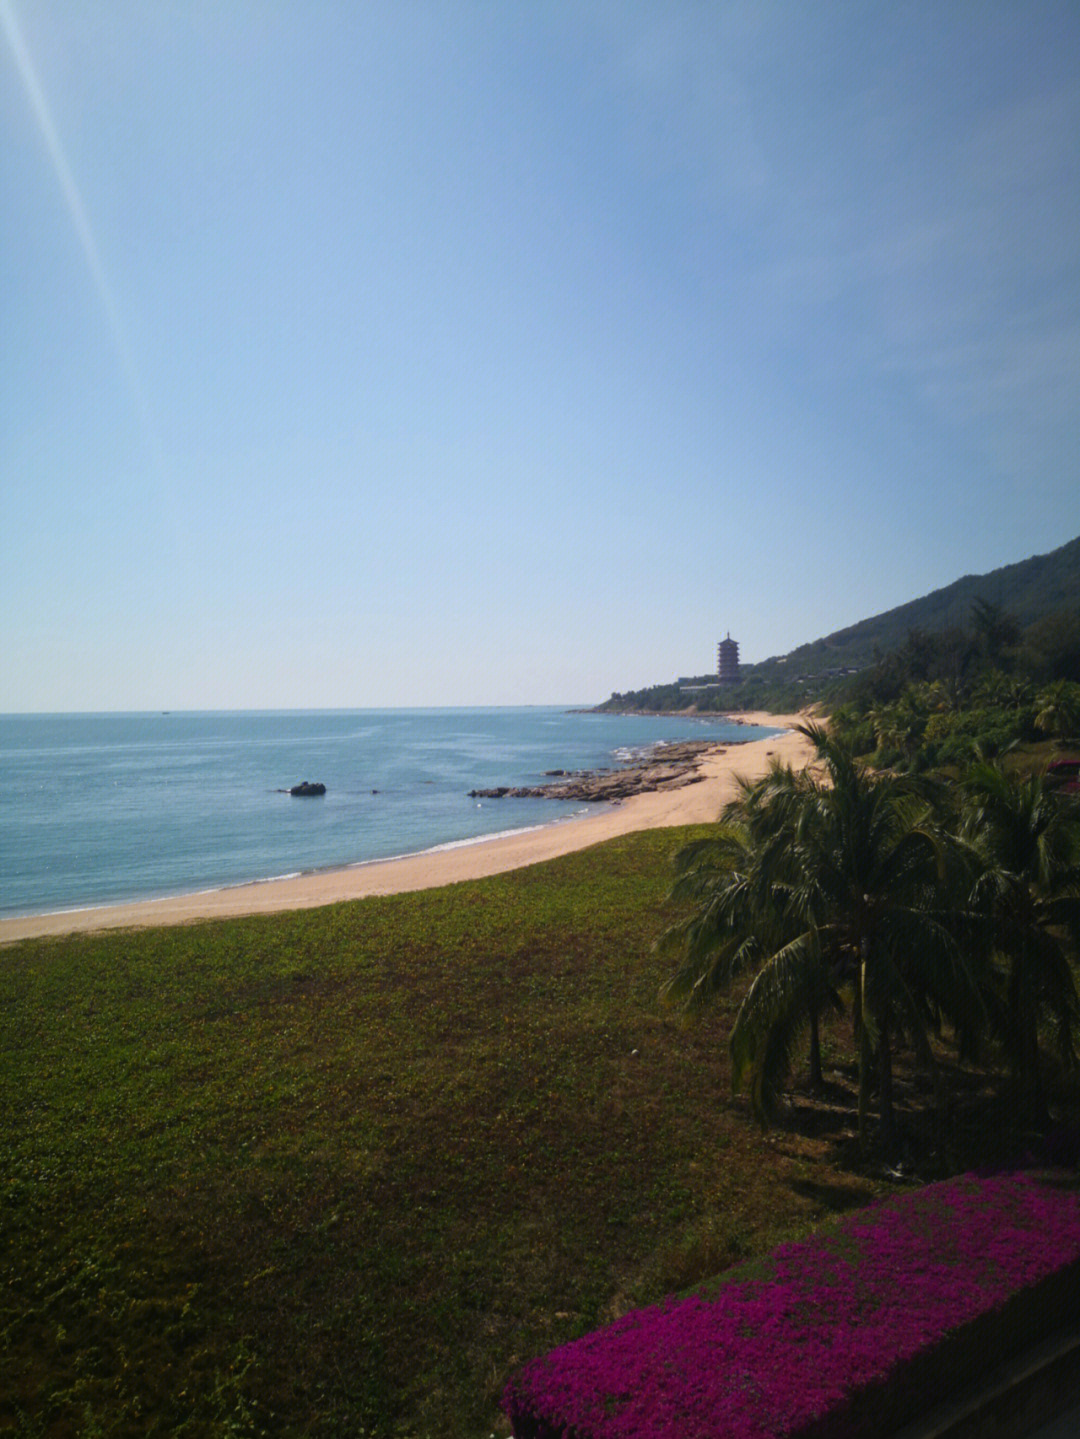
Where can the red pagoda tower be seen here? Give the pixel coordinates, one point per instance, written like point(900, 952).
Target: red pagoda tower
point(727, 667)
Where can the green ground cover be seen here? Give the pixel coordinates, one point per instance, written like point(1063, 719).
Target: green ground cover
point(340, 1171)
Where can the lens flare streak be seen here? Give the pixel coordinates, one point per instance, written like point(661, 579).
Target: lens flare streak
point(79, 220)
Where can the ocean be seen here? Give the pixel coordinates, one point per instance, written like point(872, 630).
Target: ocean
point(105, 808)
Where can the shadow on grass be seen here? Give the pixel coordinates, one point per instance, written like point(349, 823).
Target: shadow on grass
point(835, 1197)
point(972, 1119)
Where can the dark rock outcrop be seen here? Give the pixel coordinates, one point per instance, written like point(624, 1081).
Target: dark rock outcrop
point(667, 767)
point(307, 788)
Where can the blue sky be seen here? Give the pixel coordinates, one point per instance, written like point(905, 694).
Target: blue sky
point(382, 354)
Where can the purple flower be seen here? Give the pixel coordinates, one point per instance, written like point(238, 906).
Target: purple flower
point(844, 1316)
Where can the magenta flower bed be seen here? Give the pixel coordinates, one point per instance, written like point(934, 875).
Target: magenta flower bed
point(850, 1332)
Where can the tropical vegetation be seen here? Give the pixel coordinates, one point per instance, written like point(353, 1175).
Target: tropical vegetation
point(997, 642)
point(1025, 896)
point(919, 906)
point(938, 914)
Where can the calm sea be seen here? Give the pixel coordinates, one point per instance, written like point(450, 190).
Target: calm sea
point(96, 809)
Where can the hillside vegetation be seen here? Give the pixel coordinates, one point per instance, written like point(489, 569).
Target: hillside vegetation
point(1038, 597)
point(1028, 591)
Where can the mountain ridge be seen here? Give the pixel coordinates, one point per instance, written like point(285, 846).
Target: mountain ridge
point(1026, 590)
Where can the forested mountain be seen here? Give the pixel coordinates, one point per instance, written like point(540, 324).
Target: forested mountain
point(1026, 591)
point(1035, 605)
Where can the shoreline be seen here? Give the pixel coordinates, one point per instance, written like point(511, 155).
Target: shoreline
point(697, 803)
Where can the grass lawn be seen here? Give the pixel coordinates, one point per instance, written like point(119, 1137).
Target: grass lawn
point(341, 1171)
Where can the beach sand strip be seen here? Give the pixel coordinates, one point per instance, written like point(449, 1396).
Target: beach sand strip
point(695, 804)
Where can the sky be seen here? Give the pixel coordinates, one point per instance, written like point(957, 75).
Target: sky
point(449, 352)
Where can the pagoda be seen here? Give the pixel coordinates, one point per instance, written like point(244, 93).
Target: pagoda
point(727, 667)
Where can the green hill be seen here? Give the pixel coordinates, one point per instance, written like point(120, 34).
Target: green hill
point(1041, 595)
point(1028, 591)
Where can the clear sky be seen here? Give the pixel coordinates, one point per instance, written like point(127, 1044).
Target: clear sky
point(438, 351)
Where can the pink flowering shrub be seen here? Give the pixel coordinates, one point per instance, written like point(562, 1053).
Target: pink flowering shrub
point(848, 1333)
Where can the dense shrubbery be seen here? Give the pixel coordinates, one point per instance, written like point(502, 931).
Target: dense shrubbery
point(927, 727)
point(943, 699)
point(822, 1340)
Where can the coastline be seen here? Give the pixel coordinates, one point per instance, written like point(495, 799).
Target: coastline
point(698, 803)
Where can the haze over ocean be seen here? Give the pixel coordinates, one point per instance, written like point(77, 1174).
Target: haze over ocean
point(112, 807)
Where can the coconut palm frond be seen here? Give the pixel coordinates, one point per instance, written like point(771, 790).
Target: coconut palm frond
point(1026, 849)
point(910, 1013)
point(1062, 912)
point(1055, 978)
point(699, 979)
point(775, 1063)
point(714, 852)
point(789, 981)
point(940, 906)
point(923, 946)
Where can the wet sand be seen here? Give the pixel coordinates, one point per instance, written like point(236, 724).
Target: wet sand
point(695, 804)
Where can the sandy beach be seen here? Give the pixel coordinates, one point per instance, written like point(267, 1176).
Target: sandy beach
point(694, 804)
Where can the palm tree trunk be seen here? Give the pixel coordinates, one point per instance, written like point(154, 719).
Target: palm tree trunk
point(866, 1062)
point(817, 1081)
point(1028, 1071)
point(888, 1121)
point(1036, 1093)
point(866, 1058)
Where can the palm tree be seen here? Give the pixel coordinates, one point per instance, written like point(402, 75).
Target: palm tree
point(995, 630)
point(844, 882)
point(737, 878)
point(1003, 691)
point(1058, 708)
point(1026, 845)
point(899, 726)
point(872, 867)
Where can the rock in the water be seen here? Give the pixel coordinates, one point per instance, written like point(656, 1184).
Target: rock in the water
point(307, 788)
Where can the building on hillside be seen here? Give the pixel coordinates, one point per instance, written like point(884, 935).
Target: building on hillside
point(728, 661)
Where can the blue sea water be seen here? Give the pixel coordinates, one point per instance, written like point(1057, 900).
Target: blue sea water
point(97, 809)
